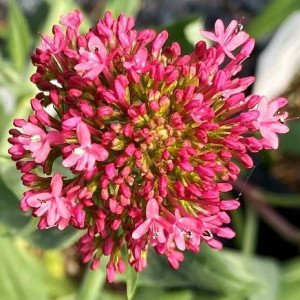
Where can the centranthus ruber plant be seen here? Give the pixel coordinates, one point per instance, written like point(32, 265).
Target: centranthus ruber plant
point(151, 137)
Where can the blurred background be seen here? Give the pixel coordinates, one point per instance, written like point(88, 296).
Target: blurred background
point(261, 263)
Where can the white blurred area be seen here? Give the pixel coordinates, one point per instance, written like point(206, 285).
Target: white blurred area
point(280, 61)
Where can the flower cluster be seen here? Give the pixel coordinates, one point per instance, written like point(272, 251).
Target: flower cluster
point(151, 138)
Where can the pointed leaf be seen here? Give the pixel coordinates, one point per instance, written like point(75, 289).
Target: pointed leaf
point(131, 281)
point(19, 39)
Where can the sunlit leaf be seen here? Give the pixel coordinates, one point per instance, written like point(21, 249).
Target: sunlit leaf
point(193, 33)
point(131, 281)
point(290, 280)
point(129, 7)
point(19, 39)
point(271, 17)
point(22, 275)
point(92, 284)
point(58, 8)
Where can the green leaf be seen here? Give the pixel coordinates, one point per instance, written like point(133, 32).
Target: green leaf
point(290, 142)
point(131, 281)
point(290, 280)
point(10, 213)
point(268, 271)
point(111, 295)
point(192, 32)
point(8, 172)
point(53, 238)
point(22, 275)
point(209, 270)
point(93, 282)
point(271, 17)
point(129, 7)
point(177, 34)
point(19, 40)
point(159, 294)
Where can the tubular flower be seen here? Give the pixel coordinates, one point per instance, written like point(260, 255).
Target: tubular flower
point(152, 138)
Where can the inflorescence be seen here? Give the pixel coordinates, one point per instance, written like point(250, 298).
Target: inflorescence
point(151, 138)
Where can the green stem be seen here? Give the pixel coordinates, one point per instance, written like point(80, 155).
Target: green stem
point(237, 219)
point(92, 285)
point(250, 231)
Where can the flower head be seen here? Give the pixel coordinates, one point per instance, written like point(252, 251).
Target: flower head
point(152, 138)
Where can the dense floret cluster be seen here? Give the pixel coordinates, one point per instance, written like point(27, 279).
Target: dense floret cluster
point(151, 138)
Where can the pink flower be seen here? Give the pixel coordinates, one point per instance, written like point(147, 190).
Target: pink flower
point(184, 228)
point(85, 156)
point(37, 141)
point(72, 20)
point(154, 223)
point(269, 122)
point(92, 62)
point(49, 204)
point(227, 38)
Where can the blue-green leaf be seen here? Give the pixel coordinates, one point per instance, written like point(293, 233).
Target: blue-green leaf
point(210, 270)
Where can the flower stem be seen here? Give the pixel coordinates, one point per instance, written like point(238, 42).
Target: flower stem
point(250, 231)
point(277, 222)
point(92, 284)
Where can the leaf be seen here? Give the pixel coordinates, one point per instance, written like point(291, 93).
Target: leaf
point(129, 7)
point(177, 34)
point(157, 294)
point(93, 282)
point(8, 172)
point(22, 275)
point(192, 32)
point(290, 280)
point(19, 40)
point(131, 281)
point(53, 238)
point(271, 17)
point(290, 143)
point(209, 270)
point(10, 213)
point(267, 271)
point(110, 295)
